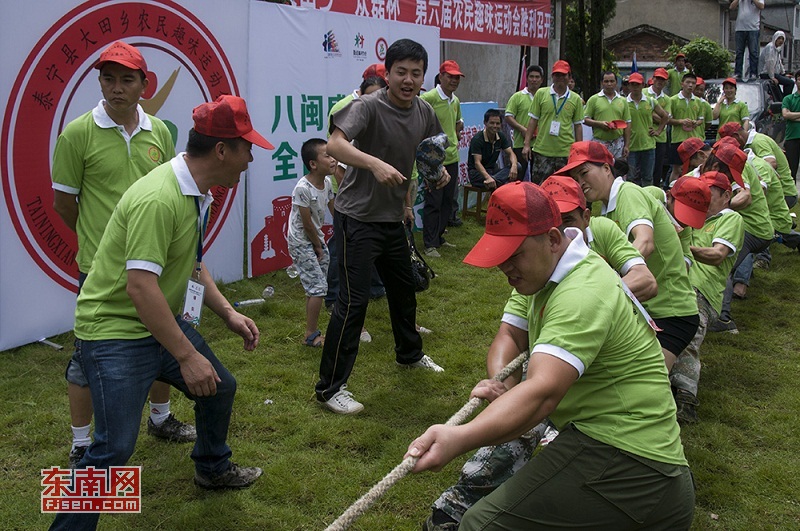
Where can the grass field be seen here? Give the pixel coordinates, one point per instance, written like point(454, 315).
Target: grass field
point(743, 452)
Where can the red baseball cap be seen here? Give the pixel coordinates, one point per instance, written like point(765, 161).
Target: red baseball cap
point(586, 151)
point(729, 129)
point(661, 72)
point(734, 158)
point(374, 70)
point(561, 67)
point(687, 149)
point(730, 80)
point(227, 117)
point(636, 77)
point(565, 192)
point(451, 67)
point(700, 82)
point(516, 211)
point(680, 55)
point(124, 54)
point(718, 179)
point(726, 140)
point(692, 197)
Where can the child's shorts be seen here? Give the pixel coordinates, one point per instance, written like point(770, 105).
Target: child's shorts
point(313, 272)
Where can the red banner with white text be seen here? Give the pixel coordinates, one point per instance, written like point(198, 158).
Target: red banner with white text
point(521, 23)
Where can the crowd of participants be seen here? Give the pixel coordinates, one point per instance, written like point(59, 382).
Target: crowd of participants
point(613, 308)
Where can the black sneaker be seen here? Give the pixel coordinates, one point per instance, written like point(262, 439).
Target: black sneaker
point(686, 403)
point(75, 456)
point(457, 222)
point(172, 430)
point(236, 477)
point(723, 325)
point(440, 521)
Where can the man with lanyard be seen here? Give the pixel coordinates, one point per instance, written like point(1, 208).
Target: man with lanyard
point(643, 132)
point(687, 116)
point(438, 207)
point(656, 91)
point(116, 138)
point(148, 269)
point(595, 369)
point(557, 114)
point(676, 74)
point(605, 113)
point(517, 109)
point(713, 247)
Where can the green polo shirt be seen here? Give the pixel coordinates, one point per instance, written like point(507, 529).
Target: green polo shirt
point(675, 80)
point(778, 210)
point(567, 110)
point(622, 396)
point(518, 106)
point(94, 160)
point(707, 113)
point(641, 122)
point(154, 228)
point(792, 103)
point(764, 146)
point(683, 108)
point(629, 206)
point(727, 228)
point(735, 112)
point(600, 108)
point(666, 104)
point(756, 215)
point(449, 113)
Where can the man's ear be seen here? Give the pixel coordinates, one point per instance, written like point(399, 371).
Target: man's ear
point(220, 149)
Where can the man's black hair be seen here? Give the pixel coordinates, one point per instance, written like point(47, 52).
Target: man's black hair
point(535, 68)
point(406, 49)
point(370, 81)
point(200, 145)
point(688, 75)
point(308, 151)
point(609, 73)
point(492, 112)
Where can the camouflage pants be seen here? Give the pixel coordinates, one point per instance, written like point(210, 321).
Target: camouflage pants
point(614, 146)
point(543, 167)
point(685, 374)
point(487, 470)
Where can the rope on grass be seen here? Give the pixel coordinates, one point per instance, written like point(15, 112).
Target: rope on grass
point(400, 471)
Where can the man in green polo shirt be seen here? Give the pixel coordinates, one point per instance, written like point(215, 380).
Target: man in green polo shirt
point(439, 202)
point(138, 311)
point(687, 117)
point(791, 113)
point(557, 114)
point(643, 131)
point(714, 249)
point(517, 109)
point(657, 92)
point(596, 370)
point(97, 157)
point(706, 111)
point(608, 115)
point(676, 74)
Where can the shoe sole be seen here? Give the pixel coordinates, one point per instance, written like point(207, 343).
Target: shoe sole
point(338, 412)
point(225, 487)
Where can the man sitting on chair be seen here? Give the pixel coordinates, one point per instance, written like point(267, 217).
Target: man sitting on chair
point(484, 150)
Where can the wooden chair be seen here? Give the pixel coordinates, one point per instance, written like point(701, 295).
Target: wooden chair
point(476, 212)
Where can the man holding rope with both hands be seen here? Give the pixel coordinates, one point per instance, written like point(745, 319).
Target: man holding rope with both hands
point(596, 370)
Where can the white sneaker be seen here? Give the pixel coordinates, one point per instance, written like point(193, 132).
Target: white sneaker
point(425, 363)
point(448, 244)
point(423, 330)
point(432, 252)
point(365, 337)
point(343, 402)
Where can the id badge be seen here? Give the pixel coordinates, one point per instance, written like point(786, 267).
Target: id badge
point(555, 128)
point(193, 302)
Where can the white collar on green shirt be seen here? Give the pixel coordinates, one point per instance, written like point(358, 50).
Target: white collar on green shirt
point(751, 137)
point(527, 92)
point(576, 251)
point(356, 95)
point(652, 92)
point(631, 100)
point(682, 97)
point(187, 183)
point(443, 95)
point(612, 196)
point(103, 120)
point(615, 96)
point(554, 93)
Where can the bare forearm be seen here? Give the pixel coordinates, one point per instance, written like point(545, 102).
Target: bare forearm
point(66, 206)
point(509, 342)
point(713, 256)
point(641, 282)
point(214, 299)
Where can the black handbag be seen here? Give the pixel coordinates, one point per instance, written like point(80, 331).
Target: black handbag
point(420, 270)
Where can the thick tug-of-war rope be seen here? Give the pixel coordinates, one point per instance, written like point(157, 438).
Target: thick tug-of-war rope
point(400, 471)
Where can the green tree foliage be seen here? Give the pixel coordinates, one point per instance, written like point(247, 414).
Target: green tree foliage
point(585, 21)
point(709, 60)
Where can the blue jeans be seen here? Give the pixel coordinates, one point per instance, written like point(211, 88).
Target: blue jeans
point(641, 164)
point(749, 40)
point(120, 373)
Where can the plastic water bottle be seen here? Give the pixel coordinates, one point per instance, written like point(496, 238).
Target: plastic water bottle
point(292, 271)
point(248, 302)
point(268, 292)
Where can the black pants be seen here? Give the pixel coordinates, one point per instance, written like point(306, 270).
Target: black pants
point(360, 245)
point(438, 209)
point(786, 84)
point(658, 166)
point(523, 164)
point(751, 244)
point(792, 148)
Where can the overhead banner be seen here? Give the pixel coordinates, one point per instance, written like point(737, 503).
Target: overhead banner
point(296, 81)
point(523, 23)
point(193, 56)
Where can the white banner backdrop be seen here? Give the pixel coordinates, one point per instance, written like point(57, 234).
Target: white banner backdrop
point(301, 63)
point(193, 56)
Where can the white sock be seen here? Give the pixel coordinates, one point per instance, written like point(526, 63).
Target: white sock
point(159, 412)
point(80, 436)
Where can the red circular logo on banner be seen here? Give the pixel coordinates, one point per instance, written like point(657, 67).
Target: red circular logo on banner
point(380, 48)
point(50, 77)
